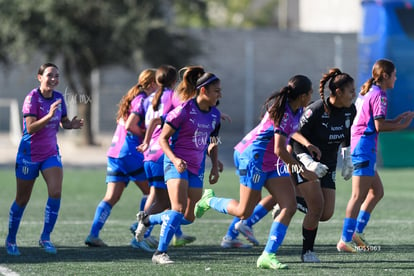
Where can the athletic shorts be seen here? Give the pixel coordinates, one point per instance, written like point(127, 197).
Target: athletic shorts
point(170, 172)
point(29, 170)
point(327, 181)
point(125, 169)
point(250, 173)
point(364, 164)
point(155, 173)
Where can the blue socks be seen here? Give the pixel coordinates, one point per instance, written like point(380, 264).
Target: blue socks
point(352, 225)
point(171, 221)
point(231, 231)
point(219, 204)
point(143, 201)
point(51, 215)
point(276, 236)
point(258, 213)
point(348, 229)
point(101, 215)
point(15, 215)
point(362, 221)
point(159, 219)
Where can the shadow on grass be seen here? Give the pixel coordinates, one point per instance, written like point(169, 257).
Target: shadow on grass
point(198, 254)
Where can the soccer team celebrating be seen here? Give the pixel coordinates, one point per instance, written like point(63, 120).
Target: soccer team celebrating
point(165, 130)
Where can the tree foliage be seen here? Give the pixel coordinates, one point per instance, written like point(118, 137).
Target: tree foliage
point(229, 13)
point(88, 35)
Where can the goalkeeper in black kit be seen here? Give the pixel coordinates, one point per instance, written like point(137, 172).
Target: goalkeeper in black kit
point(327, 125)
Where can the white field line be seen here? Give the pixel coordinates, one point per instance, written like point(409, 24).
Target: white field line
point(210, 221)
point(7, 272)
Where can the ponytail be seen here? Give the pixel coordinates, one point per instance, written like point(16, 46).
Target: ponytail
point(186, 89)
point(297, 86)
point(166, 77)
point(381, 67)
point(367, 86)
point(276, 103)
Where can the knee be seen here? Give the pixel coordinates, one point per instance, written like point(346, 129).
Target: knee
point(55, 194)
point(112, 200)
point(22, 201)
point(380, 194)
point(326, 215)
point(245, 213)
point(315, 211)
point(288, 210)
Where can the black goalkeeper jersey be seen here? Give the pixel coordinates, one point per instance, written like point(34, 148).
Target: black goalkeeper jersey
point(326, 131)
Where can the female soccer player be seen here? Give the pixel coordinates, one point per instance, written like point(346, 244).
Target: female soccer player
point(190, 127)
point(367, 189)
point(124, 162)
point(158, 199)
point(157, 105)
point(326, 125)
point(43, 110)
point(261, 159)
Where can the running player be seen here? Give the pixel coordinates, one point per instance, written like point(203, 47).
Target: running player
point(156, 106)
point(124, 162)
point(326, 125)
point(261, 159)
point(367, 188)
point(189, 126)
point(44, 109)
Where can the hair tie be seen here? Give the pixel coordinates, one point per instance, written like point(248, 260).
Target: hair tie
point(208, 81)
point(337, 72)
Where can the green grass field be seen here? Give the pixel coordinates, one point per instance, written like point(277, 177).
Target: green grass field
point(391, 228)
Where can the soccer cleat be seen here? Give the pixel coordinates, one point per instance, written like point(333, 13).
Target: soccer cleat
point(12, 249)
point(275, 211)
point(202, 205)
point(152, 242)
point(268, 260)
point(346, 246)
point(359, 240)
point(162, 258)
point(95, 242)
point(246, 231)
point(228, 242)
point(142, 245)
point(133, 228)
point(309, 257)
point(48, 247)
point(182, 240)
point(141, 229)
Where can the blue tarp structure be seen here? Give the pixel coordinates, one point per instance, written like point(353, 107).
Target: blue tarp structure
point(388, 32)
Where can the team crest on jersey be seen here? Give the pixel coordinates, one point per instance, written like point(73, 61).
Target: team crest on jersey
point(308, 113)
point(347, 123)
point(213, 124)
point(285, 117)
point(383, 101)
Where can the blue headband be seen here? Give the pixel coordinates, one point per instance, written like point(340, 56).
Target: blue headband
point(208, 81)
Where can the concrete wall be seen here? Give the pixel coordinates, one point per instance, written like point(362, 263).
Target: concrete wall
point(251, 64)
